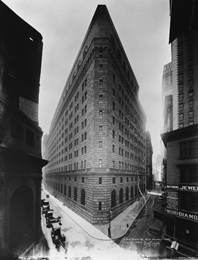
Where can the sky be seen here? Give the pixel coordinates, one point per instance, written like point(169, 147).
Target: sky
point(142, 26)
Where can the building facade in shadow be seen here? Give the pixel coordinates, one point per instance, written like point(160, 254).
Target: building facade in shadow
point(20, 135)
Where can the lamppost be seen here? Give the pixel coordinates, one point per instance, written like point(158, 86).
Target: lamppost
point(109, 228)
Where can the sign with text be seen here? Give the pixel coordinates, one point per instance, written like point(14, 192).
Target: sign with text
point(172, 200)
point(183, 214)
point(188, 187)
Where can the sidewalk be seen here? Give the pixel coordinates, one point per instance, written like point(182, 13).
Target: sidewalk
point(121, 224)
point(86, 240)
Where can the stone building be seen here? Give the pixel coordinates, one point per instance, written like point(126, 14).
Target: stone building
point(182, 142)
point(20, 135)
point(149, 161)
point(96, 143)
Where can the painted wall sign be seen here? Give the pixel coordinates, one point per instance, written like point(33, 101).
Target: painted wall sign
point(172, 186)
point(172, 200)
point(188, 188)
point(183, 214)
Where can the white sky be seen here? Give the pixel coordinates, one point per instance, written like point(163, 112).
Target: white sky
point(143, 28)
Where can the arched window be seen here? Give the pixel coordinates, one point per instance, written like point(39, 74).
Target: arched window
point(127, 193)
point(113, 198)
point(69, 192)
point(131, 191)
point(121, 195)
point(101, 51)
point(75, 193)
point(82, 199)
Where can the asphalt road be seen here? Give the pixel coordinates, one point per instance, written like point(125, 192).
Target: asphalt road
point(140, 239)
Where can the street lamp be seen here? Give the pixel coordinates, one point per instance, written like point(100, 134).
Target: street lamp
point(109, 228)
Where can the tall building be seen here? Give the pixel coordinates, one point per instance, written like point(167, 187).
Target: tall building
point(167, 98)
point(149, 161)
point(96, 143)
point(182, 143)
point(167, 108)
point(20, 135)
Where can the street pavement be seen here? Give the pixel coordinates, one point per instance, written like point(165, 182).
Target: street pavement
point(85, 241)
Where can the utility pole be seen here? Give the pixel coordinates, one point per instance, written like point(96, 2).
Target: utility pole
point(109, 228)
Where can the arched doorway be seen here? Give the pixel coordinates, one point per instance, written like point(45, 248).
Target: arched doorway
point(21, 215)
point(113, 198)
point(127, 193)
point(75, 193)
point(121, 195)
point(131, 192)
point(82, 199)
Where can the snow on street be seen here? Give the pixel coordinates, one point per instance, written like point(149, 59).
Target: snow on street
point(83, 240)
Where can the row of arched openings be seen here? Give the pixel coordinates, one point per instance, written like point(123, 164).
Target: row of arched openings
point(121, 195)
point(62, 188)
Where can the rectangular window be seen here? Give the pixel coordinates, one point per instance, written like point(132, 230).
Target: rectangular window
point(113, 134)
point(100, 205)
point(193, 149)
point(100, 163)
point(100, 97)
point(100, 180)
point(190, 93)
point(83, 179)
point(113, 163)
point(100, 112)
point(113, 180)
point(100, 128)
point(181, 116)
point(113, 148)
point(191, 104)
point(121, 180)
point(113, 120)
point(191, 114)
point(100, 144)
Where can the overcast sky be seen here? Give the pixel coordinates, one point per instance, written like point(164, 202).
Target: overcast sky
point(143, 28)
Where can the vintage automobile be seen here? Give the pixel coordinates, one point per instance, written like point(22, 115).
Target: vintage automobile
point(45, 209)
point(57, 238)
point(44, 203)
point(51, 219)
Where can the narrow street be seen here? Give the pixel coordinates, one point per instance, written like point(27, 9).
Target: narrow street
point(140, 238)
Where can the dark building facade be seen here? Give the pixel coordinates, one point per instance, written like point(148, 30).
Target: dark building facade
point(181, 166)
point(20, 136)
point(96, 143)
point(149, 161)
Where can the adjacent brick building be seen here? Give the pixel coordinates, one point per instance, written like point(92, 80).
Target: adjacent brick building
point(96, 143)
point(181, 166)
point(20, 135)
